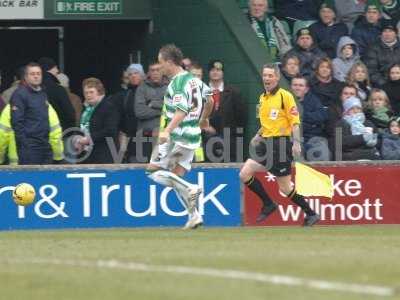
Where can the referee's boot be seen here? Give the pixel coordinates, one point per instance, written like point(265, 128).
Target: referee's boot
point(311, 220)
point(266, 211)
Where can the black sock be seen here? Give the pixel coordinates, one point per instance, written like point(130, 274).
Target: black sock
point(256, 187)
point(299, 200)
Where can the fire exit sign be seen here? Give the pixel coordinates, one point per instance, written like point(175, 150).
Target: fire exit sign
point(88, 7)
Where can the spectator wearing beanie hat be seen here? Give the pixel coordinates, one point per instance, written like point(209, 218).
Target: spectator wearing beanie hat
point(367, 28)
point(327, 31)
point(358, 134)
point(383, 54)
point(57, 95)
point(306, 51)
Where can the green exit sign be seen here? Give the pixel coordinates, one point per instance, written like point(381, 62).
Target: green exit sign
point(88, 7)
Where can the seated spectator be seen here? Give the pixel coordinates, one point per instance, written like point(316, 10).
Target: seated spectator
point(274, 34)
point(313, 116)
point(358, 135)
point(297, 10)
point(390, 149)
point(383, 54)
point(392, 88)
point(323, 85)
point(378, 110)
point(348, 11)
point(327, 31)
point(149, 100)
point(359, 77)
point(346, 55)
point(391, 9)
point(366, 29)
point(290, 67)
point(99, 123)
point(306, 51)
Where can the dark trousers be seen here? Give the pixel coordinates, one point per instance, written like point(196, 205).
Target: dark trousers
point(35, 157)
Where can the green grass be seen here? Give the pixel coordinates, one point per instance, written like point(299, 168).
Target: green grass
point(366, 255)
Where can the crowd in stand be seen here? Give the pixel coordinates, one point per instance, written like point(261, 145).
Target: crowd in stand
point(341, 58)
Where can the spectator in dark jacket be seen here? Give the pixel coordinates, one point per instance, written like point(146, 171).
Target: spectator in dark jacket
point(383, 54)
point(149, 100)
point(391, 141)
point(392, 88)
point(99, 122)
point(391, 9)
point(327, 31)
point(30, 119)
point(323, 85)
point(306, 51)
point(367, 28)
point(358, 134)
point(313, 117)
point(57, 95)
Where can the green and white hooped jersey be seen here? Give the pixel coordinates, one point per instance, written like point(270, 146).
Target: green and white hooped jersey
point(184, 92)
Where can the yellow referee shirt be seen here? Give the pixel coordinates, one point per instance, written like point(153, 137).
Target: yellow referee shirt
point(278, 113)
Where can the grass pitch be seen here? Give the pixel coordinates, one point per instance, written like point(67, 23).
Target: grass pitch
point(49, 265)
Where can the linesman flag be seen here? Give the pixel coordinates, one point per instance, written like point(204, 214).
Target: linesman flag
point(310, 182)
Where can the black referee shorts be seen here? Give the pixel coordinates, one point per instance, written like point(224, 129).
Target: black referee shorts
point(275, 153)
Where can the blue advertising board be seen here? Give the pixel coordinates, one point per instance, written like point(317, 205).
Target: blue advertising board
point(100, 198)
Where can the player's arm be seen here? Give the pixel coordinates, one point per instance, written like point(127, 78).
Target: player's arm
point(176, 120)
point(208, 108)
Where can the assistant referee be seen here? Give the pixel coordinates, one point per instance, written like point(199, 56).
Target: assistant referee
point(274, 149)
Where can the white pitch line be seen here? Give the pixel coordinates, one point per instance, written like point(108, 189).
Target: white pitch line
point(220, 273)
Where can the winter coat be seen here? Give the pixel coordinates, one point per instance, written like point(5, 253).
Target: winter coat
point(390, 146)
point(392, 89)
point(327, 37)
point(348, 11)
point(354, 146)
point(297, 9)
point(379, 118)
point(149, 101)
point(124, 102)
point(58, 98)
point(392, 11)
point(378, 60)
point(329, 92)
point(308, 58)
point(341, 65)
point(313, 116)
point(365, 34)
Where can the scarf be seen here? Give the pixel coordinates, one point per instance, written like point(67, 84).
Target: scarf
point(85, 118)
point(356, 122)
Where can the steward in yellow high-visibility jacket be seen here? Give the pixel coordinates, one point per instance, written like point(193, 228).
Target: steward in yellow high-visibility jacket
point(8, 146)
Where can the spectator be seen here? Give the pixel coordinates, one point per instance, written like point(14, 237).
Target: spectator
point(306, 51)
point(274, 34)
point(19, 75)
point(378, 110)
point(149, 100)
point(99, 123)
point(358, 134)
point(348, 11)
point(75, 100)
point(124, 80)
point(323, 85)
point(30, 121)
point(391, 141)
point(367, 28)
point(383, 54)
point(290, 67)
point(186, 63)
point(359, 77)
point(313, 116)
point(392, 88)
point(57, 95)
point(125, 103)
point(347, 55)
point(327, 31)
point(229, 111)
point(391, 9)
point(297, 10)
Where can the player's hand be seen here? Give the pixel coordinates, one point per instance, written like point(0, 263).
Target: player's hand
point(256, 140)
point(296, 149)
point(204, 123)
point(163, 137)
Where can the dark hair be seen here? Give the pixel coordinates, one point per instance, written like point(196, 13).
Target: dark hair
point(321, 61)
point(303, 78)
point(350, 86)
point(93, 82)
point(172, 53)
point(391, 67)
point(31, 65)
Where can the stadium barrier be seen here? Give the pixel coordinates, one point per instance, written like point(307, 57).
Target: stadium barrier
point(106, 196)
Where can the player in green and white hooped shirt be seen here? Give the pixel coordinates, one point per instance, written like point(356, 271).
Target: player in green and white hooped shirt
point(181, 135)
